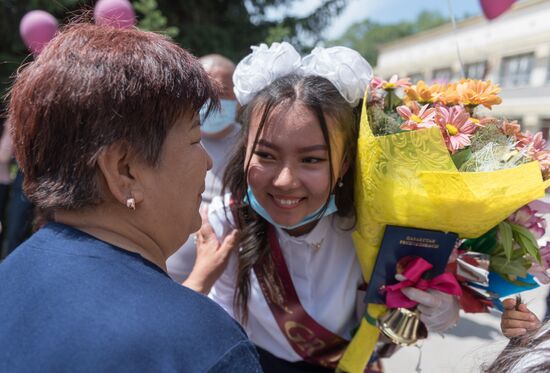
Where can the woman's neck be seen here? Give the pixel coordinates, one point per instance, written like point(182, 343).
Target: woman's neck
point(111, 227)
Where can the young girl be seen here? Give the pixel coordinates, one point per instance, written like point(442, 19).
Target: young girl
point(294, 282)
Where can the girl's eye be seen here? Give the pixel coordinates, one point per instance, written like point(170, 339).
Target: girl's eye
point(313, 160)
point(263, 155)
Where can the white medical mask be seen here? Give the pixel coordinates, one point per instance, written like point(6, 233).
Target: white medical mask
point(330, 209)
point(220, 120)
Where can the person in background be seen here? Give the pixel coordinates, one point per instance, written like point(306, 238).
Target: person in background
point(529, 348)
point(220, 132)
point(17, 211)
point(106, 130)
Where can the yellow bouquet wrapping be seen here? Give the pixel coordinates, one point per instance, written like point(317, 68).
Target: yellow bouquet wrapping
point(409, 179)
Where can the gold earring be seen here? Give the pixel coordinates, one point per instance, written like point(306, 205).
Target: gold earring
point(131, 203)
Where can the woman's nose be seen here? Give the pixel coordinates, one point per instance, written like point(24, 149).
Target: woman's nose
point(286, 178)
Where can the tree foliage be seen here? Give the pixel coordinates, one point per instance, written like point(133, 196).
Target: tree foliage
point(368, 35)
point(152, 18)
point(227, 27)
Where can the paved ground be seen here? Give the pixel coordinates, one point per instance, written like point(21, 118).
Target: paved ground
point(475, 341)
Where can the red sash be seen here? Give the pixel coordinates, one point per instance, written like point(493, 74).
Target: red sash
point(314, 343)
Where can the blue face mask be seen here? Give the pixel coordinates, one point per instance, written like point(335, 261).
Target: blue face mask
point(251, 199)
point(218, 121)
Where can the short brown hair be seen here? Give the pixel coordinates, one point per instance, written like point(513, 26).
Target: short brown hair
point(90, 87)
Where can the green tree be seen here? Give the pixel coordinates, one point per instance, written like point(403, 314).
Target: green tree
point(368, 35)
point(153, 19)
point(12, 50)
point(227, 27)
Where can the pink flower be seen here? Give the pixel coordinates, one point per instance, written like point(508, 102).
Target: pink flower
point(376, 83)
point(510, 128)
point(540, 207)
point(545, 254)
point(395, 83)
point(535, 148)
point(543, 158)
point(416, 117)
point(456, 126)
point(526, 217)
point(389, 85)
point(535, 142)
point(540, 271)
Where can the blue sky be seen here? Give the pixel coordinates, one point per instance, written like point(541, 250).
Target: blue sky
point(385, 11)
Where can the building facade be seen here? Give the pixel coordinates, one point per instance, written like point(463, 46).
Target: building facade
point(513, 50)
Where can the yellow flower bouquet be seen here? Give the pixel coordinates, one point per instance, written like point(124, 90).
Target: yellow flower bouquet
point(427, 161)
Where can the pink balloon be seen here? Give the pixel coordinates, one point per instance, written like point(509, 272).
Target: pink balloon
point(37, 28)
point(116, 13)
point(494, 8)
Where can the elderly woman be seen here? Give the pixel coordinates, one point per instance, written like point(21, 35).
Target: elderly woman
point(106, 130)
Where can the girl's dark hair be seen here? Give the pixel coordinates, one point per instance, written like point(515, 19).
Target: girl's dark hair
point(525, 354)
point(321, 97)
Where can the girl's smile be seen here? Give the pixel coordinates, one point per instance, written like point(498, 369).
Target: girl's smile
point(289, 171)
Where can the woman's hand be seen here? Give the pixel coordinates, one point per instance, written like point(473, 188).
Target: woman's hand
point(515, 323)
point(438, 310)
point(212, 258)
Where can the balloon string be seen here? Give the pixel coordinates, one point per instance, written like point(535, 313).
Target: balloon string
point(455, 31)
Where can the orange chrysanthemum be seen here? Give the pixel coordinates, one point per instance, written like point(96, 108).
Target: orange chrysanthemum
point(422, 93)
point(449, 95)
point(478, 92)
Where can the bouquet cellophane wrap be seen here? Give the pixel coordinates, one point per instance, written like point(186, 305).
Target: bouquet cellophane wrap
point(409, 179)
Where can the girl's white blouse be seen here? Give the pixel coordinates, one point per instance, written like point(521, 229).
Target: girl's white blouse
point(324, 270)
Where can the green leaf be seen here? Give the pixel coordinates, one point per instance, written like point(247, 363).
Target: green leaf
point(506, 238)
point(505, 267)
point(526, 241)
point(461, 156)
point(487, 243)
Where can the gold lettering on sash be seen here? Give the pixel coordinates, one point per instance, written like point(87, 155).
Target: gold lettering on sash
point(303, 337)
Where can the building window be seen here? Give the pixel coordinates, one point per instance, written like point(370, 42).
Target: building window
point(476, 70)
point(545, 128)
point(516, 70)
point(442, 75)
point(415, 77)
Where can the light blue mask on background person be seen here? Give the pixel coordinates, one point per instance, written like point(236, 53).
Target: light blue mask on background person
point(217, 121)
point(251, 199)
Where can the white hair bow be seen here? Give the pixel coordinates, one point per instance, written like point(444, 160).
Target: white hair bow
point(345, 68)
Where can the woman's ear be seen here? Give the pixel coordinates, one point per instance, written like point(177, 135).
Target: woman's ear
point(120, 168)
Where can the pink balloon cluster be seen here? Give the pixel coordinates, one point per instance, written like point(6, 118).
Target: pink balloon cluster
point(116, 13)
point(38, 27)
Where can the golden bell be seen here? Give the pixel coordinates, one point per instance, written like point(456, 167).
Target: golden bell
point(402, 326)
